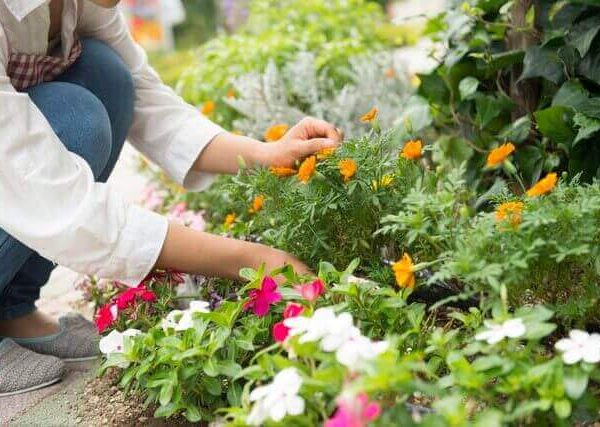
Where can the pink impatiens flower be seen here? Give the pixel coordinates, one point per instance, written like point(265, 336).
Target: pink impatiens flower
point(356, 412)
point(311, 291)
point(153, 198)
point(280, 331)
point(128, 298)
point(105, 317)
point(261, 299)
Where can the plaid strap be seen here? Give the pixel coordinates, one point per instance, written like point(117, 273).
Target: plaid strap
point(26, 70)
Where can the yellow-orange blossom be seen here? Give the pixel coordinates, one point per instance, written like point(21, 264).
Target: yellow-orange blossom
point(500, 154)
point(511, 211)
point(307, 169)
point(544, 185)
point(347, 168)
point(404, 270)
point(276, 132)
point(412, 150)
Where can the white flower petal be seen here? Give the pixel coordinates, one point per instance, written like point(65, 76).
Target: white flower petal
point(572, 356)
point(578, 336)
point(295, 405)
point(260, 392)
point(564, 344)
point(591, 353)
point(277, 411)
point(111, 343)
point(199, 307)
point(514, 328)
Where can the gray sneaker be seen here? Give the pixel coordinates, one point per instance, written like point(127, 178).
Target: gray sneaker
point(77, 340)
point(22, 370)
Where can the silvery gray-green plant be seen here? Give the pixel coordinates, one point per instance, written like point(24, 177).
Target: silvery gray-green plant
point(287, 94)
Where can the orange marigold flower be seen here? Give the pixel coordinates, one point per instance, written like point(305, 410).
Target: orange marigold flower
point(500, 154)
point(231, 93)
point(208, 108)
point(282, 171)
point(276, 132)
point(325, 153)
point(370, 116)
point(347, 168)
point(307, 169)
point(511, 212)
point(543, 186)
point(390, 73)
point(412, 150)
point(229, 220)
point(257, 204)
point(404, 270)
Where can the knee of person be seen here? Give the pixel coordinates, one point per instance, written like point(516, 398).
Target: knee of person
point(94, 133)
point(111, 68)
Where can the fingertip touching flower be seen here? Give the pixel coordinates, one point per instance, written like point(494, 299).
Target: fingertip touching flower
point(261, 299)
point(229, 220)
point(325, 153)
point(257, 204)
point(276, 132)
point(543, 186)
point(500, 154)
point(511, 212)
point(370, 116)
point(404, 270)
point(311, 291)
point(347, 168)
point(307, 169)
point(208, 108)
point(105, 317)
point(282, 171)
point(412, 150)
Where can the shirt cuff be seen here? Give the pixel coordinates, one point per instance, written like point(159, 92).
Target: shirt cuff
point(139, 246)
point(185, 150)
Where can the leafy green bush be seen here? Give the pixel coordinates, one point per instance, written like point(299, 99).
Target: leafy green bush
point(518, 71)
point(277, 31)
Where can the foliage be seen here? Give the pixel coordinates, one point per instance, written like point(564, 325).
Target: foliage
point(333, 30)
point(522, 74)
point(298, 90)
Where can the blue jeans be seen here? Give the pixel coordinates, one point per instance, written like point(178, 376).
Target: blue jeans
point(90, 108)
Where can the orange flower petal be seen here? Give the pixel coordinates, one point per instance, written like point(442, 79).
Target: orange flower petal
point(307, 169)
point(511, 212)
point(257, 204)
point(412, 150)
point(370, 116)
point(544, 185)
point(500, 154)
point(347, 168)
point(404, 270)
point(276, 132)
point(208, 108)
point(282, 171)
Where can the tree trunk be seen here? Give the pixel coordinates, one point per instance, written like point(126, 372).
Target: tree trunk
point(525, 94)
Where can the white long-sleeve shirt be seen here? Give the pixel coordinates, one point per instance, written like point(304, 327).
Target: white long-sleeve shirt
point(48, 197)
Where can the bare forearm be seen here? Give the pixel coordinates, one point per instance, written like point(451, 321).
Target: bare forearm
point(221, 155)
point(195, 252)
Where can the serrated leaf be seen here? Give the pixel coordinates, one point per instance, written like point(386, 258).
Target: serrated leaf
point(587, 126)
point(542, 62)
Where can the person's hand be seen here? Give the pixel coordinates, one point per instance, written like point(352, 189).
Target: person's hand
point(308, 137)
point(274, 258)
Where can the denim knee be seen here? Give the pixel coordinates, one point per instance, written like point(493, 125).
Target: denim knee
point(79, 119)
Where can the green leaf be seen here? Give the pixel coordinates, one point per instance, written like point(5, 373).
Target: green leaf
point(553, 123)
point(193, 415)
point(583, 34)
point(416, 115)
point(212, 385)
point(234, 394)
point(542, 62)
point(210, 368)
point(587, 126)
point(571, 94)
point(166, 393)
point(536, 331)
point(575, 382)
point(488, 108)
point(229, 368)
point(248, 273)
point(517, 131)
point(467, 87)
point(562, 408)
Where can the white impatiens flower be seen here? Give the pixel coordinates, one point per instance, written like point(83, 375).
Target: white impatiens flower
point(311, 328)
point(114, 343)
point(513, 328)
point(580, 346)
point(278, 399)
point(182, 320)
point(339, 331)
point(359, 349)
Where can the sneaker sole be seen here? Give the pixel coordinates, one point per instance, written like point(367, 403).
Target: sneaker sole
point(35, 387)
point(81, 359)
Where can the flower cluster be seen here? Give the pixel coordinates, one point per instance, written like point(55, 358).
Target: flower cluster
point(108, 313)
point(336, 334)
point(261, 299)
point(277, 400)
point(579, 347)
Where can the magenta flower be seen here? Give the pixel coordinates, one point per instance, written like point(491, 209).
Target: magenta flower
point(261, 299)
point(280, 331)
point(311, 291)
point(357, 412)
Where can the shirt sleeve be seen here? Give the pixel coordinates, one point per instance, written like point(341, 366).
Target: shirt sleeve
point(50, 202)
point(166, 129)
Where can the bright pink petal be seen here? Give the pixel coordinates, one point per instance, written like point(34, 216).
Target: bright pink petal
point(293, 310)
point(261, 308)
point(268, 284)
point(280, 332)
point(372, 411)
